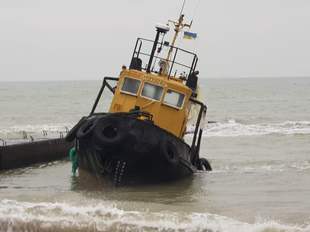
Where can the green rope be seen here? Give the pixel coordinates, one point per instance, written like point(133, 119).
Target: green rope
point(74, 160)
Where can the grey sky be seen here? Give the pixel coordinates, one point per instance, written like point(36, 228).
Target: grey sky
point(73, 39)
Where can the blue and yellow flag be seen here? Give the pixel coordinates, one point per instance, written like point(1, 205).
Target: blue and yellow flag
point(189, 35)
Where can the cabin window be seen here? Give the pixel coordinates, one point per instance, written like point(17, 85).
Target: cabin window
point(151, 91)
point(130, 86)
point(174, 99)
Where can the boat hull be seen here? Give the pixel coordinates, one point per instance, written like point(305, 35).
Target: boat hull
point(125, 149)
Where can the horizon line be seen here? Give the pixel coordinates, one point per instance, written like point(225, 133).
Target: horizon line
point(241, 77)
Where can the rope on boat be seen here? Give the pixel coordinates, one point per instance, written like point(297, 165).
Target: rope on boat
point(122, 172)
point(116, 172)
point(3, 142)
point(119, 172)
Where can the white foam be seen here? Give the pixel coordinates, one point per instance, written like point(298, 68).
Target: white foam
point(231, 128)
point(17, 132)
point(36, 127)
point(45, 216)
point(299, 166)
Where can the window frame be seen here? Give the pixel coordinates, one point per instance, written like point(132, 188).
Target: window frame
point(152, 99)
point(173, 106)
point(130, 93)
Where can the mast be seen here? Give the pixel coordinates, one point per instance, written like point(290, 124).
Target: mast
point(178, 27)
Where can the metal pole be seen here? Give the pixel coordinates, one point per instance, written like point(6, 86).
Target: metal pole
point(98, 97)
point(148, 70)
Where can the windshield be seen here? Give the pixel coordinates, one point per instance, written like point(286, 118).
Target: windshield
point(151, 91)
point(130, 86)
point(174, 99)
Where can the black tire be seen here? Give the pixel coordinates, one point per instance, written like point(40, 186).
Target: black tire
point(86, 129)
point(199, 165)
point(109, 132)
point(169, 151)
point(205, 164)
point(72, 133)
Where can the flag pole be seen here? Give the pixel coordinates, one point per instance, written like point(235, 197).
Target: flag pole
point(178, 26)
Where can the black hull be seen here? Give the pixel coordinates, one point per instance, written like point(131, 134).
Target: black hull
point(125, 149)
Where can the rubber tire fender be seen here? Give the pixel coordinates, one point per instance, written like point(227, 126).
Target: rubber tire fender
point(205, 164)
point(109, 132)
point(86, 129)
point(169, 151)
point(72, 133)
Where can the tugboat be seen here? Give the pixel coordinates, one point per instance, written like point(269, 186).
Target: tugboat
point(141, 137)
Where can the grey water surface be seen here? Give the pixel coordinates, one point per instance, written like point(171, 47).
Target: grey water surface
point(259, 149)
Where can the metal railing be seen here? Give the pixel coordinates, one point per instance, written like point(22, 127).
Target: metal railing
point(3, 142)
point(195, 147)
point(105, 83)
point(190, 67)
point(26, 137)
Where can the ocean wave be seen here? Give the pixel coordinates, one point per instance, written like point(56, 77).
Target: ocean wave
point(232, 128)
point(37, 131)
point(25, 216)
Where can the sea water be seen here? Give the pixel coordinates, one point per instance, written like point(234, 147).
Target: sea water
point(258, 146)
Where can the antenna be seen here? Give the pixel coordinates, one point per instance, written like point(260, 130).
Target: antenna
point(183, 5)
point(179, 25)
point(195, 9)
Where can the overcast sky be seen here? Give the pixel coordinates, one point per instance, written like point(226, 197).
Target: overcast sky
point(74, 39)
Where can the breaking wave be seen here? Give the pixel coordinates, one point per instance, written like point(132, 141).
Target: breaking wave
point(299, 166)
point(25, 216)
point(231, 128)
point(36, 131)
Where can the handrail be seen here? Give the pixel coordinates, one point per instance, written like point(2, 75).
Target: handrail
point(174, 47)
point(3, 142)
point(25, 135)
point(203, 109)
point(145, 54)
point(61, 134)
point(137, 52)
point(104, 84)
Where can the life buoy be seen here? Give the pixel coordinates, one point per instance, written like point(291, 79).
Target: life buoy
point(169, 151)
point(109, 132)
point(86, 129)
